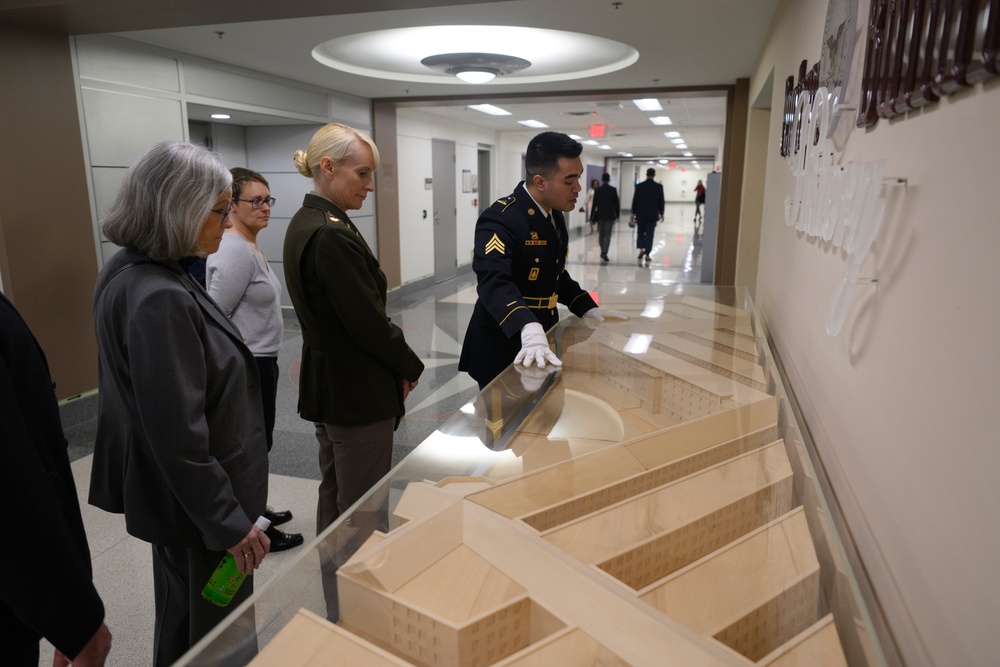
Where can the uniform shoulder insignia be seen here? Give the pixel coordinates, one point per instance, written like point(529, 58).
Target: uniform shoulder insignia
point(494, 244)
point(506, 202)
point(332, 217)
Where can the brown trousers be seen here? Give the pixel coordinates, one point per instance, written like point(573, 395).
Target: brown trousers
point(352, 459)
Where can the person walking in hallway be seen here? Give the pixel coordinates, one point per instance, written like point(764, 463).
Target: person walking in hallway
point(647, 210)
point(356, 366)
point(699, 199)
point(241, 281)
point(46, 578)
point(588, 200)
point(519, 257)
point(606, 210)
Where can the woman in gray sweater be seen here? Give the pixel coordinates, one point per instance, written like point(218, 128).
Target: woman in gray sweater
point(243, 284)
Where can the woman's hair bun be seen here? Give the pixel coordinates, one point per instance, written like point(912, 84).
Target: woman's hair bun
point(301, 161)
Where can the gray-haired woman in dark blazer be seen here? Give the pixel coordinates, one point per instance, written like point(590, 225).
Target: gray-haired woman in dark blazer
point(180, 447)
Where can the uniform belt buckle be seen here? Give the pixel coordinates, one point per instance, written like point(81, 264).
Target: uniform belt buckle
point(553, 301)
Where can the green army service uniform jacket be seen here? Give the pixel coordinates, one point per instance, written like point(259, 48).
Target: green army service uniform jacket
point(353, 356)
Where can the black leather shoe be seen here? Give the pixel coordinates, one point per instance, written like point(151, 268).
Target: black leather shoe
point(280, 540)
point(277, 518)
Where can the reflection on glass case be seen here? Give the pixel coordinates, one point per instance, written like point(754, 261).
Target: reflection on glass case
point(651, 502)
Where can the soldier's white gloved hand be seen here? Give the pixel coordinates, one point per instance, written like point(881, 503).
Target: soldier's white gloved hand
point(535, 348)
point(600, 314)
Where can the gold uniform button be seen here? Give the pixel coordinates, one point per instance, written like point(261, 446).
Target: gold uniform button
point(531, 211)
point(537, 260)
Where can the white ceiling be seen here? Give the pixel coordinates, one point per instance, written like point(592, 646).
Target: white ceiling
point(687, 48)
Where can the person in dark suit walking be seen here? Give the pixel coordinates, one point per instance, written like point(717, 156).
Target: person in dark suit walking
point(519, 258)
point(607, 208)
point(356, 366)
point(180, 448)
point(647, 210)
point(37, 487)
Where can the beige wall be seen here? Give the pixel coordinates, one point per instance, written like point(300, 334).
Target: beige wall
point(900, 404)
point(48, 261)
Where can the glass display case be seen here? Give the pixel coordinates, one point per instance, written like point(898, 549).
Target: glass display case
point(651, 502)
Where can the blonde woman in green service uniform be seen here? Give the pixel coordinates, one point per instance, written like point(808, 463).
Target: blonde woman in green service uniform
point(356, 366)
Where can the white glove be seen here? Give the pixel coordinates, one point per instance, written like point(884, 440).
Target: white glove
point(535, 347)
point(600, 314)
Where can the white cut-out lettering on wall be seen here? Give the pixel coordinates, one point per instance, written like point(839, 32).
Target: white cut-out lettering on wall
point(839, 204)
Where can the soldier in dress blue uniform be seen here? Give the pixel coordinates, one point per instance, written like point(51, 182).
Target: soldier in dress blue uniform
point(520, 253)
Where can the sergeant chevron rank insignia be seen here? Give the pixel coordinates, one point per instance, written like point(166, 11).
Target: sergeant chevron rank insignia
point(494, 244)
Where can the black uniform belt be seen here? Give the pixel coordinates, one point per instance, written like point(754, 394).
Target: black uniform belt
point(542, 302)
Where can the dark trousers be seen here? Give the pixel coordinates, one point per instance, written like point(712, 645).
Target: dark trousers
point(604, 235)
point(352, 459)
point(183, 617)
point(644, 235)
point(268, 370)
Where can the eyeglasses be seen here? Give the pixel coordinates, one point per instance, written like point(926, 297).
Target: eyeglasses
point(224, 214)
point(257, 203)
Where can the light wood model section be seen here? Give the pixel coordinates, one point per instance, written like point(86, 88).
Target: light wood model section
point(680, 543)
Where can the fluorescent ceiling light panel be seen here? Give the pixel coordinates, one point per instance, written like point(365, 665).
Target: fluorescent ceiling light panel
point(682, 146)
point(532, 123)
point(661, 120)
point(648, 104)
point(589, 142)
point(490, 109)
point(671, 134)
point(220, 116)
point(688, 154)
point(677, 140)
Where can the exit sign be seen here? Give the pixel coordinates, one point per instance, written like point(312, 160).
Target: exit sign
point(597, 130)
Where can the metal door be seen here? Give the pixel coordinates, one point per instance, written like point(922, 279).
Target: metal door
point(445, 211)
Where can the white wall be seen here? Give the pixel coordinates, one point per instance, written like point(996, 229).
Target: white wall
point(416, 207)
point(269, 152)
point(415, 130)
point(901, 403)
point(678, 186)
point(132, 96)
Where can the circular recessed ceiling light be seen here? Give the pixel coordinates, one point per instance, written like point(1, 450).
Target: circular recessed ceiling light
point(475, 67)
point(397, 54)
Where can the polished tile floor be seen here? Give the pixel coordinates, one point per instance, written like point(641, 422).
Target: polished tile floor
point(434, 321)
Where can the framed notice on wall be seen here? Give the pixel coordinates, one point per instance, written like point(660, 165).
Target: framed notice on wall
point(838, 49)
